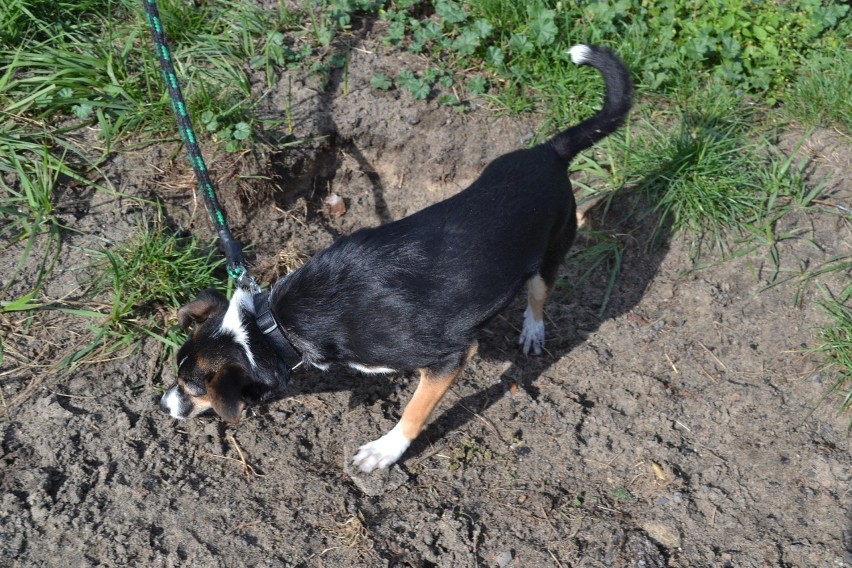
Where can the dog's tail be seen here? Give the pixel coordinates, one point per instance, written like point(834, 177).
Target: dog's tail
point(616, 106)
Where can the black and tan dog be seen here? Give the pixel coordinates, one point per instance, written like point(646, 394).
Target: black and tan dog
point(407, 295)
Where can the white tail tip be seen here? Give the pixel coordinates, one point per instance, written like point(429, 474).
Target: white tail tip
point(580, 54)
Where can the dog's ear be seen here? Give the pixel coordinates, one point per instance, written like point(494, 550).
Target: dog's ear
point(225, 390)
point(207, 303)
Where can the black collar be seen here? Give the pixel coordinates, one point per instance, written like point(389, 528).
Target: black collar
point(271, 329)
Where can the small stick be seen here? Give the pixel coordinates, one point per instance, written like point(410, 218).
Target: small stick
point(707, 349)
point(247, 469)
point(484, 420)
point(79, 397)
point(558, 563)
point(669, 359)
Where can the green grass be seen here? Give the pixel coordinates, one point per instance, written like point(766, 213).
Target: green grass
point(65, 66)
point(520, 48)
point(146, 279)
point(836, 345)
point(820, 94)
point(93, 63)
point(604, 254)
point(26, 205)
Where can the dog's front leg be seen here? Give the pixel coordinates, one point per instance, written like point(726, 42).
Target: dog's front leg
point(384, 452)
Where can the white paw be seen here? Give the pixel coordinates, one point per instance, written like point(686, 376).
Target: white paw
point(382, 453)
point(533, 333)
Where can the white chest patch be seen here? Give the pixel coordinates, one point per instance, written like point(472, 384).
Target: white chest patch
point(371, 370)
point(232, 324)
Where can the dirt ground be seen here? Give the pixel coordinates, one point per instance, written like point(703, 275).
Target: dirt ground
point(676, 428)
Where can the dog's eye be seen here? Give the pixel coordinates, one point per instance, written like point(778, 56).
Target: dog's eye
point(194, 390)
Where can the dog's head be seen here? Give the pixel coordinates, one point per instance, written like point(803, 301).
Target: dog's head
point(225, 363)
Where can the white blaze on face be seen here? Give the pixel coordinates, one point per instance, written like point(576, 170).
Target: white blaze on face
point(171, 400)
point(232, 323)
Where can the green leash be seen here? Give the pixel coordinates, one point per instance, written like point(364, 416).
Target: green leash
point(265, 319)
point(233, 250)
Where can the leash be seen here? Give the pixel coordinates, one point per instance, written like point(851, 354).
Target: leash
point(233, 249)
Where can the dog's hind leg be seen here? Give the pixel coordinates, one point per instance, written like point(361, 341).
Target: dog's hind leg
point(540, 286)
point(532, 336)
point(385, 451)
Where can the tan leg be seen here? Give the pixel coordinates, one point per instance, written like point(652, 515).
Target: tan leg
point(537, 293)
point(429, 393)
point(533, 333)
point(583, 221)
point(385, 451)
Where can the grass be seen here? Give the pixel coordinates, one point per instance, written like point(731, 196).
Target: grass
point(836, 345)
point(79, 85)
point(145, 280)
point(820, 93)
point(603, 254)
point(27, 204)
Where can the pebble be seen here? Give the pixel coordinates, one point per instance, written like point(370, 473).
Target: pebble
point(666, 535)
point(334, 206)
point(504, 558)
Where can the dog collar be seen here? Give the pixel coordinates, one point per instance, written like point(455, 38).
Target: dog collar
point(271, 329)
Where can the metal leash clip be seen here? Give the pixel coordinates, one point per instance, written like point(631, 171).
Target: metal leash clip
point(247, 282)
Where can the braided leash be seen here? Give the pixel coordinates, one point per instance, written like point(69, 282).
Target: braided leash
point(233, 250)
point(264, 316)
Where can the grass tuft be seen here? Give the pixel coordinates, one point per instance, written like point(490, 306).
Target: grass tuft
point(28, 176)
point(820, 94)
point(147, 278)
point(837, 346)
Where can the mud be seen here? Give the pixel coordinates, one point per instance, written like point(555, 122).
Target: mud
point(673, 423)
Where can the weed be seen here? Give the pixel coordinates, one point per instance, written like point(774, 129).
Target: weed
point(146, 277)
point(29, 173)
point(749, 46)
point(702, 182)
point(836, 345)
point(381, 81)
point(621, 493)
point(820, 93)
point(466, 452)
point(605, 253)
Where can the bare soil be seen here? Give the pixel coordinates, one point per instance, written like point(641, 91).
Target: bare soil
point(678, 426)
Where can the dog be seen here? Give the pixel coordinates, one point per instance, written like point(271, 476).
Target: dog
point(408, 295)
